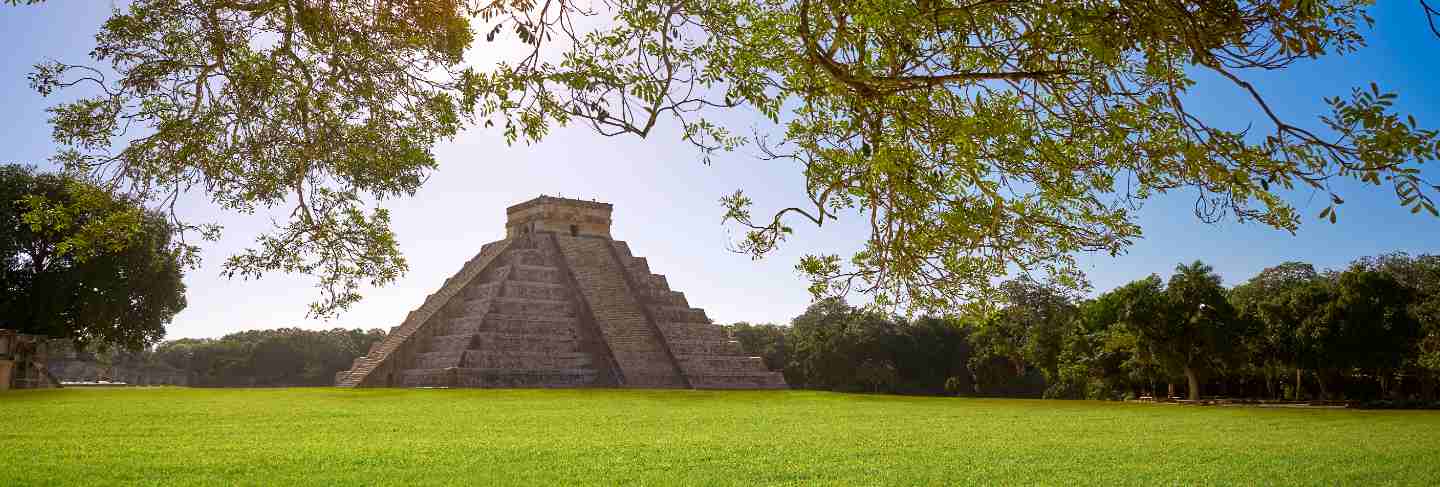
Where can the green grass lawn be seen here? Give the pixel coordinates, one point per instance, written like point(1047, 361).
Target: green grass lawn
point(547, 437)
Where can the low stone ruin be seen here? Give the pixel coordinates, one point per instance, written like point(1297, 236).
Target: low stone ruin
point(22, 362)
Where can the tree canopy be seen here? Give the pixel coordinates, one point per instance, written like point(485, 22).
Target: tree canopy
point(977, 138)
point(278, 357)
point(322, 108)
point(80, 263)
point(1361, 333)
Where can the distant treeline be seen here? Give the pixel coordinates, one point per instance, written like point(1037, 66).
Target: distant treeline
point(280, 357)
point(1369, 331)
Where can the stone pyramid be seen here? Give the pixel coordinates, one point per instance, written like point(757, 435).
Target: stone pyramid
point(558, 303)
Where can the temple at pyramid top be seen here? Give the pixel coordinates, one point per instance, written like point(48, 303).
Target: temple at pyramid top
point(559, 215)
point(558, 303)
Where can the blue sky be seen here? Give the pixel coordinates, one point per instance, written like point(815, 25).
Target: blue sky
point(666, 200)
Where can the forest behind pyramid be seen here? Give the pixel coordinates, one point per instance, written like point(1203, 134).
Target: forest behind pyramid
point(558, 303)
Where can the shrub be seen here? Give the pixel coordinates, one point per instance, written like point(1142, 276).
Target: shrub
point(955, 386)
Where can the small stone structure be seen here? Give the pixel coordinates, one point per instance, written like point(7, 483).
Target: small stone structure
point(69, 365)
point(558, 303)
point(22, 362)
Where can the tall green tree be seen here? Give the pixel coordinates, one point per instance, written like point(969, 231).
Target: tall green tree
point(80, 263)
point(1275, 306)
point(1301, 327)
point(932, 356)
point(1028, 329)
point(1376, 331)
point(1099, 356)
point(1142, 307)
point(974, 137)
point(766, 340)
point(1185, 326)
point(1421, 275)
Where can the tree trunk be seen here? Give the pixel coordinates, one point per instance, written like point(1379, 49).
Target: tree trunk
point(1296, 396)
point(1194, 383)
point(1324, 391)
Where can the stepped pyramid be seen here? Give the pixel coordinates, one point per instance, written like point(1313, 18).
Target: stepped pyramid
point(558, 303)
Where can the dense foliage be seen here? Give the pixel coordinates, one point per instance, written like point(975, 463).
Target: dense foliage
point(834, 346)
point(317, 109)
point(1369, 331)
point(973, 136)
point(77, 262)
point(264, 358)
point(279, 357)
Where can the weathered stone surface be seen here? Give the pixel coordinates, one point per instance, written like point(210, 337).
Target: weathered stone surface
point(558, 303)
point(559, 216)
point(705, 347)
point(23, 361)
point(638, 348)
point(692, 331)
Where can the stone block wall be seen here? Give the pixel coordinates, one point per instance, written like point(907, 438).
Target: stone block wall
point(558, 215)
point(23, 361)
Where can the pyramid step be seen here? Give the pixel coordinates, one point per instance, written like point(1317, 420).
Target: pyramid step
point(527, 273)
point(533, 307)
point(524, 360)
point(704, 347)
point(512, 359)
point(715, 364)
point(636, 266)
point(525, 257)
point(622, 248)
point(674, 330)
point(438, 360)
point(450, 343)
point(686, 314)
point(662, 297)
point(526, 342)
point(537, 290)
point(482, 290)
point(552, 339)
point(653, 281)
point(477, 307)
point(490, 377)
point(514, 323)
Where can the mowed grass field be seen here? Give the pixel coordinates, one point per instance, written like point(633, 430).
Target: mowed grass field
point(606, 437)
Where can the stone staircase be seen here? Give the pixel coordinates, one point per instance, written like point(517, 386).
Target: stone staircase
point(638, 349)
point(523, 330)
point(704, 351)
